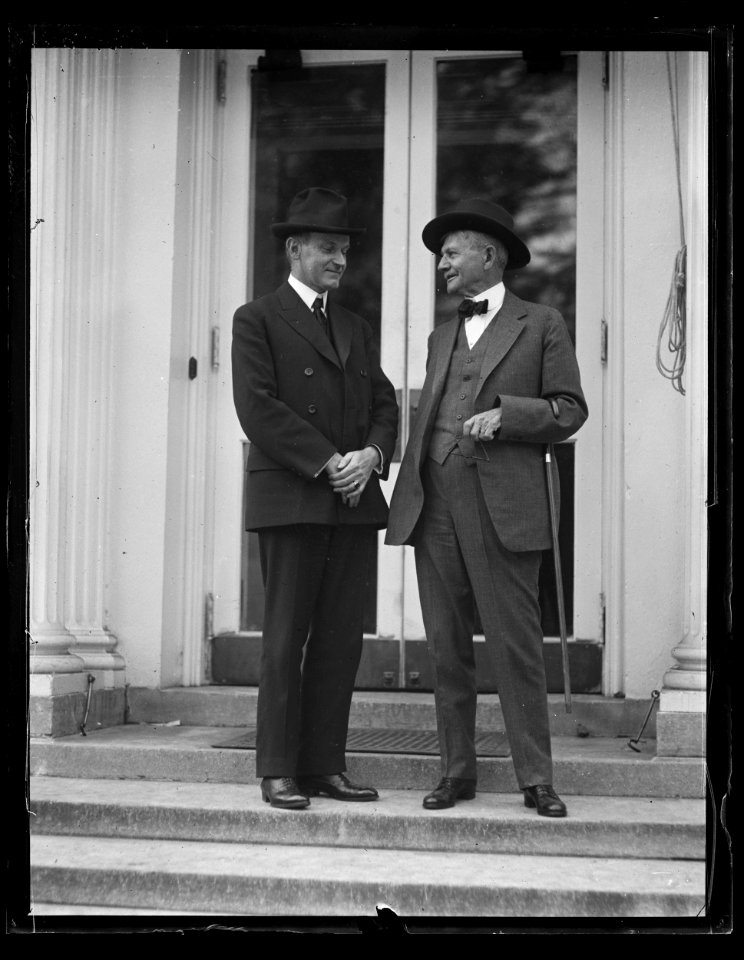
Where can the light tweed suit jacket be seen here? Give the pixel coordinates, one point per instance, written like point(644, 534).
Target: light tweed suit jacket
point(530, 369)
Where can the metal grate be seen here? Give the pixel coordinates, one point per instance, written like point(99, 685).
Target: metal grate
point(384, 740)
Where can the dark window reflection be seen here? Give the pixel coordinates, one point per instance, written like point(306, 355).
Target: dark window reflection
point(321, 127)
point(507, 131)
point(317, 127)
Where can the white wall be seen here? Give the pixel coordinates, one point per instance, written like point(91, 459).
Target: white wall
point(655, 447)
point(147, 102)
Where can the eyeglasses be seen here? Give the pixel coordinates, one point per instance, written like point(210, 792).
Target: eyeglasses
point(472, 449)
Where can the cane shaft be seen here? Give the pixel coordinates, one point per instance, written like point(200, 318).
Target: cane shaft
point(558, 576)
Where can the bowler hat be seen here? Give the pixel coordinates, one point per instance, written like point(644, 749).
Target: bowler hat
point(319, 210)
point(483, 216)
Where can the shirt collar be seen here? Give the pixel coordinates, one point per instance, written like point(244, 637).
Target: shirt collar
point(308, 295)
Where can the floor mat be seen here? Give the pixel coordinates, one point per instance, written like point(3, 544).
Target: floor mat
point(374, 740)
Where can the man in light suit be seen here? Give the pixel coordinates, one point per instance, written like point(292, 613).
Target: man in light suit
point(322, 419)
point(501, 382)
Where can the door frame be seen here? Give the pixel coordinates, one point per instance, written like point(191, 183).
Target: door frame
point(407, 311)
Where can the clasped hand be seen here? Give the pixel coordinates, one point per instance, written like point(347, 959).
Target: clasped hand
point(348, 474)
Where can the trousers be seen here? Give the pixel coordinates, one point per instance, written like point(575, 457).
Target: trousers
point(461, 564)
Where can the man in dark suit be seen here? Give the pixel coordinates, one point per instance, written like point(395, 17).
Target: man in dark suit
point(322, 419)
point(501, 382)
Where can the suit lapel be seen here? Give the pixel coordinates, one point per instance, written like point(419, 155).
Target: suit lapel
point(506, 327)
point(297, 315)
point(440, 358)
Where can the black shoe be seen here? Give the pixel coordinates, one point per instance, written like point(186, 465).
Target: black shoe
point(449, 790)
point(547, 801)
point(283, 792)
point(337, 786)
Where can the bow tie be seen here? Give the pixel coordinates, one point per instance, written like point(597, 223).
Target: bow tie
point(469, 308)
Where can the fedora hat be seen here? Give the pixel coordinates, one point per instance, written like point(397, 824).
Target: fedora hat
point(483, 216)
point(319, 210)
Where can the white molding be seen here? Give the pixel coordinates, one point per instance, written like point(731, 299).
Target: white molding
point(613, 407)
point(191, 433)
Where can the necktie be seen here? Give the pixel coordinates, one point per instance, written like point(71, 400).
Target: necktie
point(470, 307)
point(320, 315)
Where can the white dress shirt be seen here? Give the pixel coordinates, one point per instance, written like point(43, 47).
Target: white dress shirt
point(308, 295)
point(475, 325)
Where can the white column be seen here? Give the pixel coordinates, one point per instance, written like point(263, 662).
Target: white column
point(89, 313)
point(52, 666)
point(73, 153)
point(684, 690)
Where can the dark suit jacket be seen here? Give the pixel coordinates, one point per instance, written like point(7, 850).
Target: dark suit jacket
point(530, 367)
point(299, 402)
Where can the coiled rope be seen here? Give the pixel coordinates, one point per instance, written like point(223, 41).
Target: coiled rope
point(674, 322)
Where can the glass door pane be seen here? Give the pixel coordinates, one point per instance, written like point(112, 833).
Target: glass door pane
point(317, 126)
point(507, 130)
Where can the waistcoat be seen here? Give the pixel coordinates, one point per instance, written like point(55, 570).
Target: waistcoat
point(458, 396)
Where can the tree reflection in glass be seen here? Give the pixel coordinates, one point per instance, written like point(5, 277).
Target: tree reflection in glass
point(506, 130)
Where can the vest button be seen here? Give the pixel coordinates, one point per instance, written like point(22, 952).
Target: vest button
point(309, 371)
point(459, 416)
point(462, 396)
point(312, 408)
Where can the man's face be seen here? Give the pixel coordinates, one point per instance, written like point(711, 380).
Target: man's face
point(462, 264)
point(319, 260)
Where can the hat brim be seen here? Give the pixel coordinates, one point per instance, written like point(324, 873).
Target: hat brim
point(435, 231)
point(287, 229)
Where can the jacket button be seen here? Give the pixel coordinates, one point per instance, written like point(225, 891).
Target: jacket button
point(309, 371)
point(312, 408)
point(363, 373)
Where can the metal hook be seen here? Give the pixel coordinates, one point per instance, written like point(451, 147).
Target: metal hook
point(632, 743)
point(91, 681)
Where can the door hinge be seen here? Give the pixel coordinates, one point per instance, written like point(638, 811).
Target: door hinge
point(222, 81)
point(193, 366)
point(602, 618)
point(603, 341)
point(209, 616)
point(606, 69)
point(215, 348)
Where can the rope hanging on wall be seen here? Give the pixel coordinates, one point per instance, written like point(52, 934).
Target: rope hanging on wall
point(674, 323)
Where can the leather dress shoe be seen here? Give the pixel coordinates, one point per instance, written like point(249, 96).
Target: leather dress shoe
point(547, 801)
point(283, 792)
point(448, 791)
point(337, 786)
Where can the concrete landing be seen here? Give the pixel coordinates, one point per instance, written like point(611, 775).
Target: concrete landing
point(591, 766)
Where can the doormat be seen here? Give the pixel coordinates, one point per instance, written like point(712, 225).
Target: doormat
point(379, 740)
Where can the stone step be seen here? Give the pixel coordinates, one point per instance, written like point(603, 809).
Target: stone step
point(265, 880)
point(583, 766)
point(624, 827)
point(591, 715)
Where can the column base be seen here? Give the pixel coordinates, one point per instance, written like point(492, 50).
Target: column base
point(62, 715)
point(680, 734)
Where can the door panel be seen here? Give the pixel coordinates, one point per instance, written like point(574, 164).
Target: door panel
point(404, 135)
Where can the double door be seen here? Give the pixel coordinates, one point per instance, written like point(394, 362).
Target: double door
point(404, 135)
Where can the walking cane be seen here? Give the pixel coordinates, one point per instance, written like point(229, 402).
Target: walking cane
point(549, 457)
